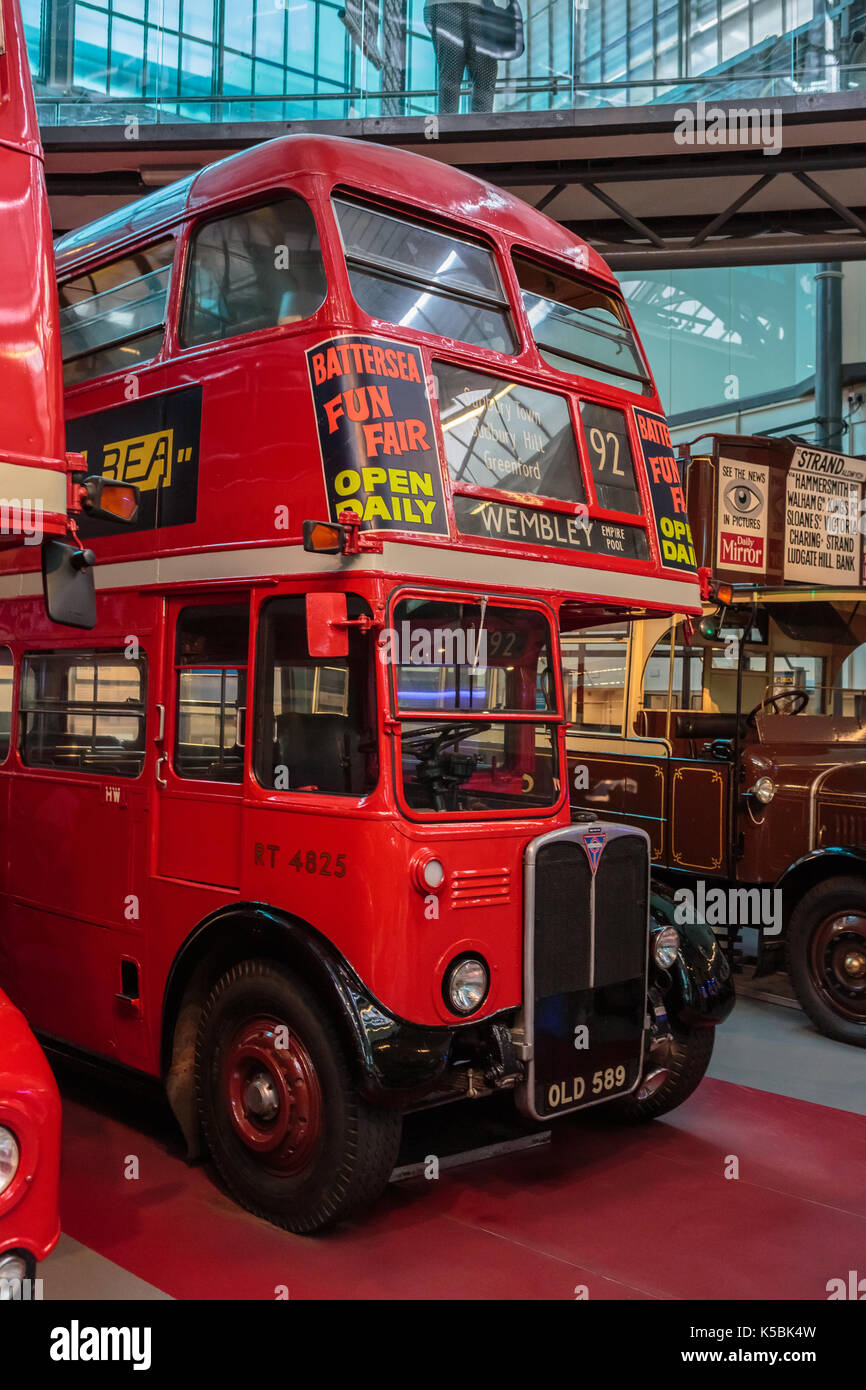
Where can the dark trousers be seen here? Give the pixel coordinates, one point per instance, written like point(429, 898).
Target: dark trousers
point(457, 30)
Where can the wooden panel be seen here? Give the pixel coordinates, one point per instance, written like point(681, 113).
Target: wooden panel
point(625, 789)
point(698, 800)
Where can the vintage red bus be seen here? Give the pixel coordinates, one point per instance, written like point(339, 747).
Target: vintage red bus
point(33, 469)
point(740, 744)
point(42, 488)
point(302, 788)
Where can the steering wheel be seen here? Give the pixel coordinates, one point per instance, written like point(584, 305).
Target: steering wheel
point(799, 699)
point(439, 736)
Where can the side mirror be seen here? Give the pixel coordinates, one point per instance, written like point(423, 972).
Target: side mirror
point(67, 582)
point(327, 633)
point(108, 501)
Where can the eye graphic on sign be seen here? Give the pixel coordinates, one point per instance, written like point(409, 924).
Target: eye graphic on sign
point(742, 499)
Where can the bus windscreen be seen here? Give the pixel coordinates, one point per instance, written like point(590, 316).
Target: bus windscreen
point(416, 277)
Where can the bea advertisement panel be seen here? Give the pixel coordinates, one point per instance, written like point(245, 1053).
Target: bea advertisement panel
point(376, 434)
point(152, 442)
point(667, 493)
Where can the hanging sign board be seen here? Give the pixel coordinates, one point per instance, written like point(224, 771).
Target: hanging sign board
point(824, 518)
point(741, 523)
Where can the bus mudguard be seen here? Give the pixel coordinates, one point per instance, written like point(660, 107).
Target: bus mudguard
point(701, 989)
point(819, 864)
point(397, 1061)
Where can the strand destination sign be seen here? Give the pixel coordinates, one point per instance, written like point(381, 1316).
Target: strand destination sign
point(824, 518)
point(781, 512)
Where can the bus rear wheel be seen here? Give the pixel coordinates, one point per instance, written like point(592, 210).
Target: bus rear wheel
point(287, 1131)
point(825, 947)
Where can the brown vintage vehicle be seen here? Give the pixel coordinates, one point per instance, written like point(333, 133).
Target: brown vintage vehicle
point(740, 746)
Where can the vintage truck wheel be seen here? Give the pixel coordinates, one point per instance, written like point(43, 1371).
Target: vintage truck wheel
point(826, 957)
point(685, 1056)
point(288, 1133)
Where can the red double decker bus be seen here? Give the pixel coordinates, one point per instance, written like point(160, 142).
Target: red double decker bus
point(42, 488)
point(302, 788)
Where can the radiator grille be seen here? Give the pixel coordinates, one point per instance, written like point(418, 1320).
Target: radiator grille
point(621, 911)
point(563, 884)
point(586, 967)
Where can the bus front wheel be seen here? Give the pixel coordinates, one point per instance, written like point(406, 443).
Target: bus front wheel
point(287, 1131)
point(685, 1057)
point(825, 945)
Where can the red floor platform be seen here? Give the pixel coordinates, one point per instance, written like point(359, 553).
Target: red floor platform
point(628, 1213)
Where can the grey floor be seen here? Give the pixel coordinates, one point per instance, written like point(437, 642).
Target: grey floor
point(775, 1048)
point(72, 1271)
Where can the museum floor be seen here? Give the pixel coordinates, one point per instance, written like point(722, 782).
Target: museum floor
point(618, 1212)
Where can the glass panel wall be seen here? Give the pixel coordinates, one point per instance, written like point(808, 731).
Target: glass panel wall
point(177, 61)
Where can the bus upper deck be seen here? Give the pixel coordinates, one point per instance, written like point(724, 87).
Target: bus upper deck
point(318, 327)
point(33, 470)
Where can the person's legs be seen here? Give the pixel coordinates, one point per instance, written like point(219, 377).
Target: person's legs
point(449, 29)
point(481, 67)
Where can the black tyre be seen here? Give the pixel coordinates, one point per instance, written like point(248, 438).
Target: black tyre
point(687, 1056)
point(825, 950)
point(287, 1131)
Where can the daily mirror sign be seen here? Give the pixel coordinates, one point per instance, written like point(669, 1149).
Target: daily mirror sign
point(741, 528)
point(825, 518)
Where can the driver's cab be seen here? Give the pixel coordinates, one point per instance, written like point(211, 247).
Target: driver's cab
point(670, 719)
point(652, 711)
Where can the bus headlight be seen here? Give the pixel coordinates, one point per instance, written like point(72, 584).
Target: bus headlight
point(666, 946)
point(465, 986)
point(764, 790)
point(10, 1157)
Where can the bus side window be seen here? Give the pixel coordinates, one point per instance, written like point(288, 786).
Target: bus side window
point(256, 269)
point(7, 673)
point(83, 711)
point(113, 318)
point(651, 719)
point(315, 721)
point(211, 683)
point(682, 688)
point(594, 678)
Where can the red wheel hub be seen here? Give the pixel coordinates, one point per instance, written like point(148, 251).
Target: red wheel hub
point(838, 962)
point(273, 1093)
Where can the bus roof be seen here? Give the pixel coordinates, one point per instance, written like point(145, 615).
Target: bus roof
point(392, 173)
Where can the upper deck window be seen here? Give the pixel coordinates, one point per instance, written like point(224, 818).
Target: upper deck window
point(255, 269)
point(114, 317)
point(418, 278)
point(580, 329)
